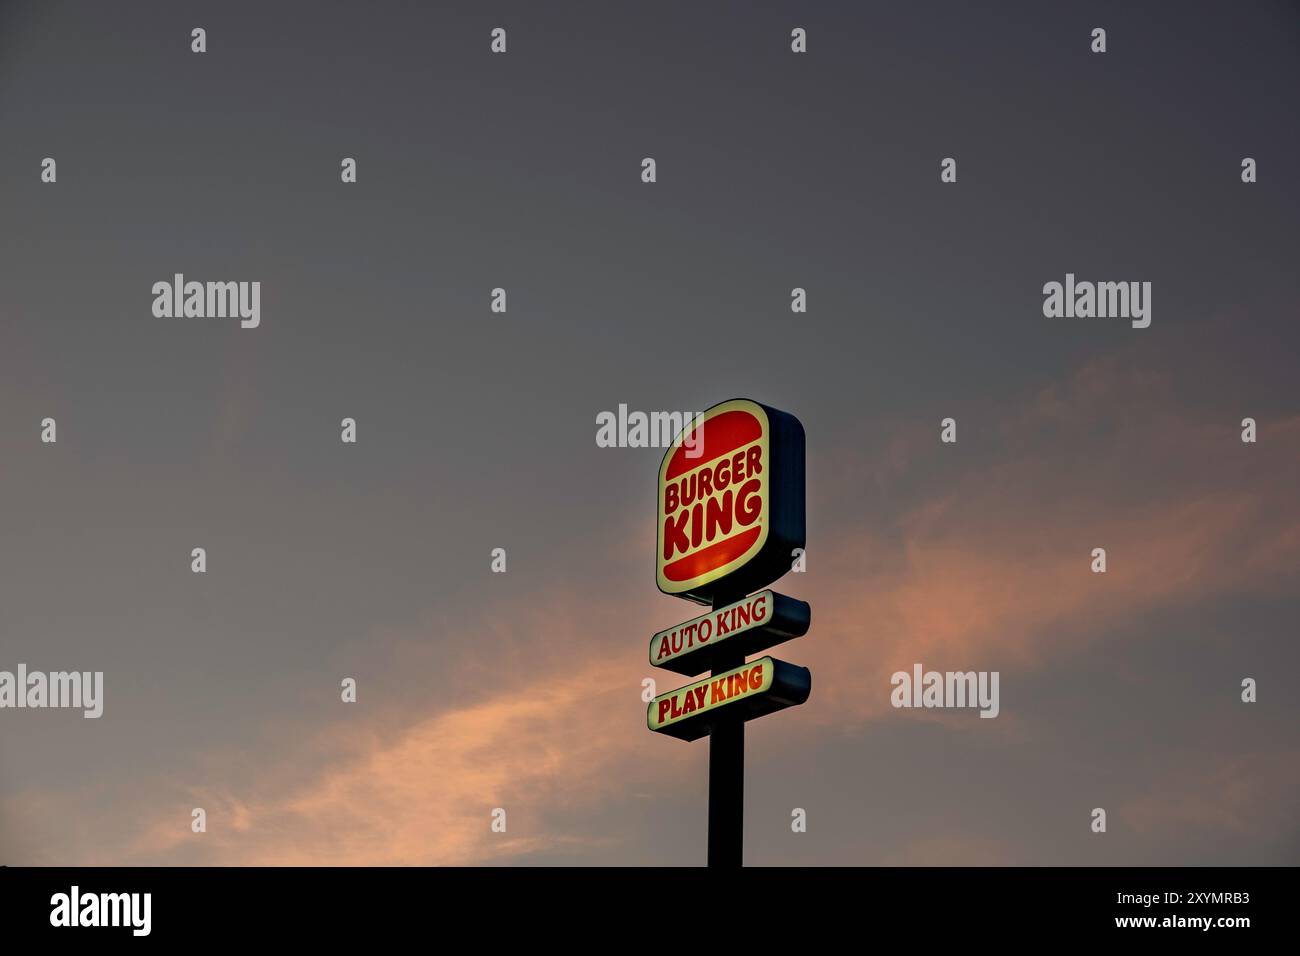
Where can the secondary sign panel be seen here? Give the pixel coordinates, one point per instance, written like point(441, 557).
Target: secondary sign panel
point(759, 687)
point(730, 508)
point(750, 625)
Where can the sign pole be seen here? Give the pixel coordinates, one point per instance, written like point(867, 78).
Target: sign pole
point(727, 775)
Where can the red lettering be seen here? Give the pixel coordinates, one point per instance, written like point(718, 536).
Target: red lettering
point(753, 460)
point(722, 474)
point(719, 516)
point(675, 534)
point(697, 525)
point(706, 483)
point(688, 485)
point(699, 693)
point(716, 695)
point(748, 515)
point(664, 650)
point(670, 499)
point(760, 607)
point(756, 677)
point(663, 708)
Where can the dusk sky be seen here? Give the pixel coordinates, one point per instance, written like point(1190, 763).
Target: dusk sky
point(476, 430)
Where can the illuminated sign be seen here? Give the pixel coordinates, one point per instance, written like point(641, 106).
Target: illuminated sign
point(730, 508)
point(759, 687)
point(729, 519)
point(746, 627)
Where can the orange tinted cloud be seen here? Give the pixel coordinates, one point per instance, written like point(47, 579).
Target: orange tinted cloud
point(423, 794)
point(984, 565)
point(427, 797)
point(994, 568)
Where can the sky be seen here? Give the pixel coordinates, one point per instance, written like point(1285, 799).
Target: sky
point(476, 430)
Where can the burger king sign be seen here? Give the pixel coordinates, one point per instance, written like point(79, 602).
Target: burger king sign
point(730, 508)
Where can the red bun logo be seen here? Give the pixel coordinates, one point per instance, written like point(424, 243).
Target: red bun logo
point(715, 500)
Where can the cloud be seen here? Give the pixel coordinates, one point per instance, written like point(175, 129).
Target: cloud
point(990, 566)
point(957, 558)
point(428, 796)
point(540, 735)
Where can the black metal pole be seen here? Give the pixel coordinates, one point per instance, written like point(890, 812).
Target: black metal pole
point(727, 774)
